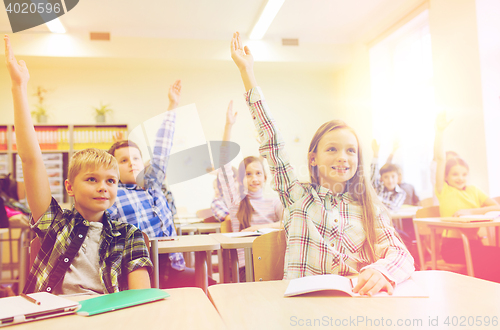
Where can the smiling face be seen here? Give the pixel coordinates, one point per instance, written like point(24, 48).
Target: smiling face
point(130, 164)
point(94, 191)
point(457, 177)
point(254, 177)
point(390, 180)
point(336, 159)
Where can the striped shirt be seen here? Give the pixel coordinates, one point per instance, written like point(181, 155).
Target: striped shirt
point(266, 210)
point(122, 249)
point(392, 199)
point(147, 208)
point(324, 231)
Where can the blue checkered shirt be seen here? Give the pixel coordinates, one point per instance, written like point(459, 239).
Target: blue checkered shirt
point(147, 208)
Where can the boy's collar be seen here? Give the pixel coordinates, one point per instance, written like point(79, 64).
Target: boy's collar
point(106, 222)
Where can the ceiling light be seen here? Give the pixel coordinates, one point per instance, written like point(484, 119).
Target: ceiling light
point(55, 26)
point(266, 18)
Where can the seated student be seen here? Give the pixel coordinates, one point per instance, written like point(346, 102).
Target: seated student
point(457, 198)
point(82, 250)
point(411, 195)
point(334, 224)
point(145, 205)
point(386, 184)
point(248, 208)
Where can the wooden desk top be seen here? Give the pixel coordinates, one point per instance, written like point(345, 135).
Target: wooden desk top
point(202, 227)
point(404, 212)
point(188, 243)
point(259, 305)
point(233, 242)
point(186, 308)
point(449, 224)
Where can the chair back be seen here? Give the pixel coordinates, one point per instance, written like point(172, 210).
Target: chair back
point(428, 212)
point(269, 256)
point(204, 213)
point(226, 226)
point(426, 202)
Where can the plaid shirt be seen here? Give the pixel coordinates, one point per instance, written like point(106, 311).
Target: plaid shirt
point(122, 249)
point(394, 199)
point(324, 232)
point(147, 209)
point(219, 209)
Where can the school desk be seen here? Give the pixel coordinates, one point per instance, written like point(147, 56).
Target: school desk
point(434, 223)
point(408, 212)
point(198, 244)
point(230, 256)
point(453, 298)
point(186, 308)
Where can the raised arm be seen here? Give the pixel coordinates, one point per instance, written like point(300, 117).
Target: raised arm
point(395, 147)
point(228, 185)
point(439, 154)
point(156, 173)
point(374, 175)
point(35, 175)
point(272, 146)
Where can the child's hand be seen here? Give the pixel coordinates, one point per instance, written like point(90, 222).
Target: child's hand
point(371, 281)
point(375, 147)
point(241, 56)
point(230, 115)
point(464, 212)
point(441, 121)
point(395, 146)
point(18, 71)
point(174, 94)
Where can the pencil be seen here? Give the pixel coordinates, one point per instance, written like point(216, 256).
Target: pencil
point(25, 296)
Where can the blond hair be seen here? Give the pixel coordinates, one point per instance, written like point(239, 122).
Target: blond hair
point(91, 158)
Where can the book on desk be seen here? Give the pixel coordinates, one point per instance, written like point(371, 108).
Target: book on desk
point(332, 282)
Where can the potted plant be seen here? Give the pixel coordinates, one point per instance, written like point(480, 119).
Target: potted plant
point(41, 112)
point(100, 112)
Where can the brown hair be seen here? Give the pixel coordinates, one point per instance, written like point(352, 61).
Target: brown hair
point(123, 144)
point(390, 168)
point(245, 209)
point(453, 162)
point(90, 158)
point(358, 186)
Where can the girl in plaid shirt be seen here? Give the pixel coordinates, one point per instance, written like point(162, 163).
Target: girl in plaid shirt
point(333, 224)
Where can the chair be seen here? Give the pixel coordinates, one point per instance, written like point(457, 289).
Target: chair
point(269, 256)
point(423, 243)
point(426, 202)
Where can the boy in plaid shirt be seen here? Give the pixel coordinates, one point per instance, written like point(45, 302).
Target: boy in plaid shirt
point(82, 251)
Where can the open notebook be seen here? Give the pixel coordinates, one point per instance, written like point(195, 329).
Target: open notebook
point(18, 309)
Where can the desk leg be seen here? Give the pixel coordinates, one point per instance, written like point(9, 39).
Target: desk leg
point(224, 267)
point(209, 263)
point(433, 248)
point(200, 270)
point(249, 265)
point(22, 259)
point(235, 266)
point(468, 257)
point(419, 247)
point(156, 265)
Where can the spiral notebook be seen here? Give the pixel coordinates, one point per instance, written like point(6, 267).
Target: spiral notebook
point(18, 309)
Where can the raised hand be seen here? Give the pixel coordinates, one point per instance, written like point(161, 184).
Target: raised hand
point(174, 94)
point(241, 56)
point(395, 145)
point(18, 71)
point(441, 121)
point(230, 115)
point(375, 147)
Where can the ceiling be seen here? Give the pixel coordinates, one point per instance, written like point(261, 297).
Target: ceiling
point(314, 21)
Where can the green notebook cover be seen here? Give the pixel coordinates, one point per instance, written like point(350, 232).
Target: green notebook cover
point(118, 300)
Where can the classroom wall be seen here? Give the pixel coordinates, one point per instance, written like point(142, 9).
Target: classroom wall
point(137, 90)
point(460, 67)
